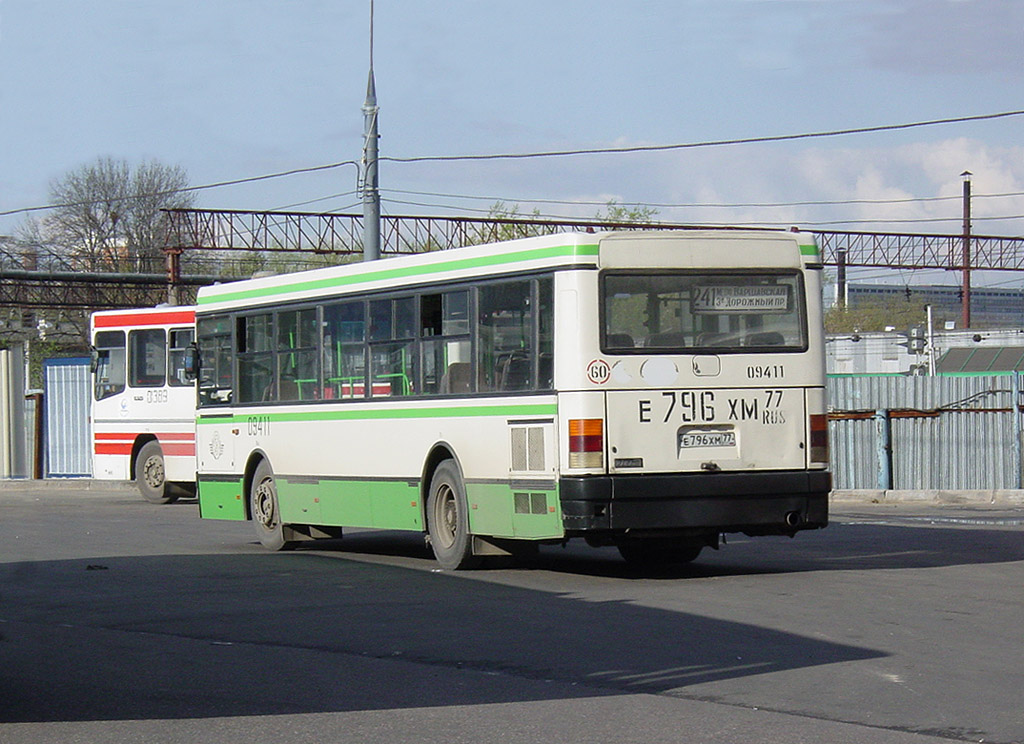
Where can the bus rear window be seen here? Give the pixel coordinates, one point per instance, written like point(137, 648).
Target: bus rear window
point(739, 312)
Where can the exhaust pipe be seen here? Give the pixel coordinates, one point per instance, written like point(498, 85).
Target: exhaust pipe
point(793, 519)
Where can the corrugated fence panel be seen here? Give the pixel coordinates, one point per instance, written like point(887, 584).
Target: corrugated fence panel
point(874, 392)
point(66, 397)
point(961, 449)
point(852, 444)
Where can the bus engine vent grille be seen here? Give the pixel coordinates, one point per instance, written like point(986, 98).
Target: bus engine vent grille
point(528, 449)
point(531, 503)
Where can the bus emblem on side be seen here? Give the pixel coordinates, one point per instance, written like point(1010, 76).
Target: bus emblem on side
point(216, 446)
point(598, 371)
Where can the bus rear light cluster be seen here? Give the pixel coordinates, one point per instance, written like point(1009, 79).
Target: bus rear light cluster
point(819, 438)
point(586, 443)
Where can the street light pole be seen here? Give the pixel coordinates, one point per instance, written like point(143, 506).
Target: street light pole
point(371, 192)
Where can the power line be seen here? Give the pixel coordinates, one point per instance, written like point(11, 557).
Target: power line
point(543, 154)
point(707, 143)
point(785, 223)
point(668, 205)
point(312, 201)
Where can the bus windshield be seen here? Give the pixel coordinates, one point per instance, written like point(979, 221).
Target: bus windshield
point(718, 313)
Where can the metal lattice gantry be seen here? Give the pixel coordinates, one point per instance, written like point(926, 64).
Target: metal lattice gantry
point(203, 246)
point(920, 251)
point(308, 232)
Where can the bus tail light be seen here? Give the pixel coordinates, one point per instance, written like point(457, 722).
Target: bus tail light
point(586, 443)
point(819, 438)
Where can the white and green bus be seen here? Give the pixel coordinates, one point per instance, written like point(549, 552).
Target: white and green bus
point(647, 390)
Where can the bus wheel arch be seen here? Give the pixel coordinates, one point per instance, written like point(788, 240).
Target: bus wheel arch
point(148, 471)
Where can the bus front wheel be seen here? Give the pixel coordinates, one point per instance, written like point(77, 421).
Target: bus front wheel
point(265, 510)
point(448, 519)
point(150, 476)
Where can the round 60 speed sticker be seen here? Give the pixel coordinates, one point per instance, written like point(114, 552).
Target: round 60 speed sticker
point(599, 371)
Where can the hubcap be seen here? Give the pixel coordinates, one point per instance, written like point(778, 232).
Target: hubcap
point(447, 515)
point(263, 504)
point(153, 472)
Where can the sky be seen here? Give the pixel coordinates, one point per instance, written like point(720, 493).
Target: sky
point(230, 89)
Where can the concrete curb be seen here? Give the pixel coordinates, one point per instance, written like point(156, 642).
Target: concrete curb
point(934, 498)
point(66, 484)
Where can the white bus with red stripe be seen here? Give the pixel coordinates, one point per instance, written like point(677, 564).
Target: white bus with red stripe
point(143, 406)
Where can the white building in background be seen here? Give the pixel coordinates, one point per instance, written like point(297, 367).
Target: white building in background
point(951, 352)
point(991, 307)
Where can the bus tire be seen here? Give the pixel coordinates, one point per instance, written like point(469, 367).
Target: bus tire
point(265, 509)
point(448, 519)
point(659, 551)
point(150, 476)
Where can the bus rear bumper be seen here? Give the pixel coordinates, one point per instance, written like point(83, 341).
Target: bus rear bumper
point(764, 503)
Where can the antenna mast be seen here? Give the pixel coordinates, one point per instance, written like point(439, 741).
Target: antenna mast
point(371, 192)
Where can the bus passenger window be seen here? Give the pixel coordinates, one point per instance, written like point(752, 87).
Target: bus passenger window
point(393, 363)
point(297, 354)
point(344, 357)
point(256, 374)
point(505, 336)
point(392, 369)
point(215, 380)
point(180, 340)
point(147, 357)
point(445, 345)
point(109, 377)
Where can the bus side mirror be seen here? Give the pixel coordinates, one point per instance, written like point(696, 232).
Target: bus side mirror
point(191, 362)
point(94, 359)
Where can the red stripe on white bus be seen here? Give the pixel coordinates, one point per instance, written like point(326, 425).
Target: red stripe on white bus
point(173, 443)
point(170, 449)
point(159, 317)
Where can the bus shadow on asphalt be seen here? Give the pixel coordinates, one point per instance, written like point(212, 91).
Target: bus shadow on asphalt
point(840, 547)
point(195, 636)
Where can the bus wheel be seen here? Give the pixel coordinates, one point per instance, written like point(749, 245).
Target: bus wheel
point(149, 474)
point(263, 506)
point(659, 551)
point(448, 519)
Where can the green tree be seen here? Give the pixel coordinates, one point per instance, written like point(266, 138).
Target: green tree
point(620, 213)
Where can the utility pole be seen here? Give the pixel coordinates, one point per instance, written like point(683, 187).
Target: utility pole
point(371, 192)
point(966, 286)
point(841, 278)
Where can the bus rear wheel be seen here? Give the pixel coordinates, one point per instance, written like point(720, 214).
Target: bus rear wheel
point(659, 551)
point(448, 519)
point(150, 476)
point(265, 509)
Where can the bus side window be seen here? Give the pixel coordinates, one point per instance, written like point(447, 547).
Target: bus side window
point(147, 357)
point(297, 354)
point(505, 349)
point(109, 378)
point(180, 340)
point(344, 352)
point(256, 374)
point(393, 361)
point(445, 345)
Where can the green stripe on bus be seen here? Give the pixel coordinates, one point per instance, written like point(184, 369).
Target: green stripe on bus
point(559, 251)
point(538, 409)
point(809, 250)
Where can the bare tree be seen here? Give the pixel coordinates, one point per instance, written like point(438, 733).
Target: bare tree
point(107, 215)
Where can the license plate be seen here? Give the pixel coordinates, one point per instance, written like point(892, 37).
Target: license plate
point(690, 439)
